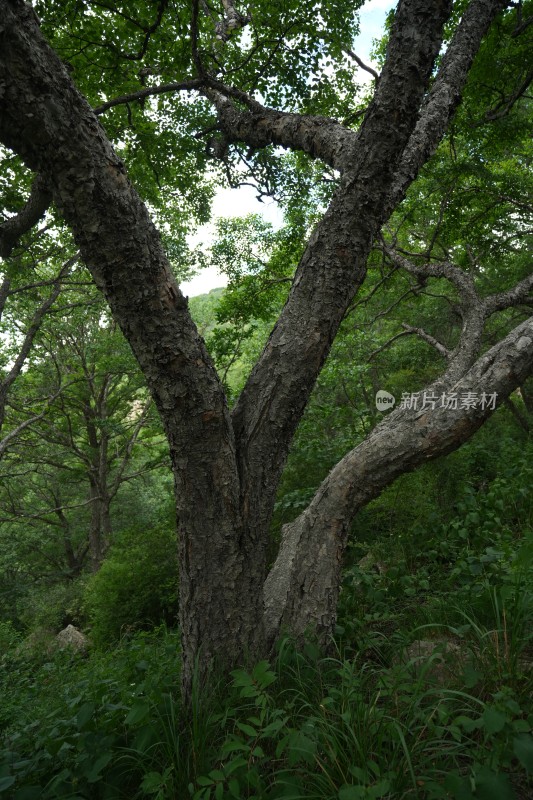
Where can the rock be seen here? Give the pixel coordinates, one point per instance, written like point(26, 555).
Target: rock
point(369, 562)
point(72, 637)
point(445, 658)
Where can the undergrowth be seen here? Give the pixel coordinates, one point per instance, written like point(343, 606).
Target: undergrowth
point(425, 694)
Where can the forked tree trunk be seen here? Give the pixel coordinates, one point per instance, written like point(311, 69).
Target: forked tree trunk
point(227, 468)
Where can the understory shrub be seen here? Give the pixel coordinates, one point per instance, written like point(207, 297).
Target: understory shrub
point(136, 587)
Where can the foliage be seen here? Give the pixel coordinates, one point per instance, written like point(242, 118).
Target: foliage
point(136, 586)
point(76, 717)
point(447, 551)
point(303, 727)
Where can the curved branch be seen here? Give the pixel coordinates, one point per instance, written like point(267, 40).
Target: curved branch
point(12, 229)
point(306, 575)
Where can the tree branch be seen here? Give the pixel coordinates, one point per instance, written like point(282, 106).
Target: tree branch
point(150, 91)
point(12, 229)
point(426, 337)
point(361, 63)
point(15, 433)
point(497, 112)
point(334, 262)
point(319, 137)
point(29, 336)
point(307, 571)
point(445, 93)
point(512, 297)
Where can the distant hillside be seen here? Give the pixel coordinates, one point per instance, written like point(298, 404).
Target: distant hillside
point(203, 308)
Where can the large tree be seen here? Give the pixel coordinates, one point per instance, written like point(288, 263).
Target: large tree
point(227, 465)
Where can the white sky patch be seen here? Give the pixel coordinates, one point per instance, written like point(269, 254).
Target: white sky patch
point(227, 203)
point(239, 202)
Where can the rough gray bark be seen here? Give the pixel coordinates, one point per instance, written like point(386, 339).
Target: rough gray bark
point(445, 93)
point(333, 265)
point(302, 588)
point(52, 127)
point(319, 137)
point(227, 469)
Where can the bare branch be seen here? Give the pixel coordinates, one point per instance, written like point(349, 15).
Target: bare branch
point(150, 91)
point(361, 63)
point(426, 337)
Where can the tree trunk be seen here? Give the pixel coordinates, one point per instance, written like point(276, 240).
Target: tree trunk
point(100, 524)
point(302, 588)
point(227, 469)
point(45, 119)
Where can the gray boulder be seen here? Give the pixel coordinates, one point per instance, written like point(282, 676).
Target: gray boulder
point(72, 637)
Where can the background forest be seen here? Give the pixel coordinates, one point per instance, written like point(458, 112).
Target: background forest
point(426, 690)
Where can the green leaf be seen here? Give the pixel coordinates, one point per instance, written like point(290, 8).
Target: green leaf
point(28, 793)
point(203, 781)
point(84, 714)
point(98, 766)
point(493, 720)
point(493, 786)
point(379, 790)
point(471, 676)
point(523, 750)
point(151, 782)
point(458, 786)
point(247, 729)
point(139, 712)
point(352, 793)
point(232, 747)
point(6, 782)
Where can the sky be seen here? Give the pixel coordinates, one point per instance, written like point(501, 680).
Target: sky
point(239, 202)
